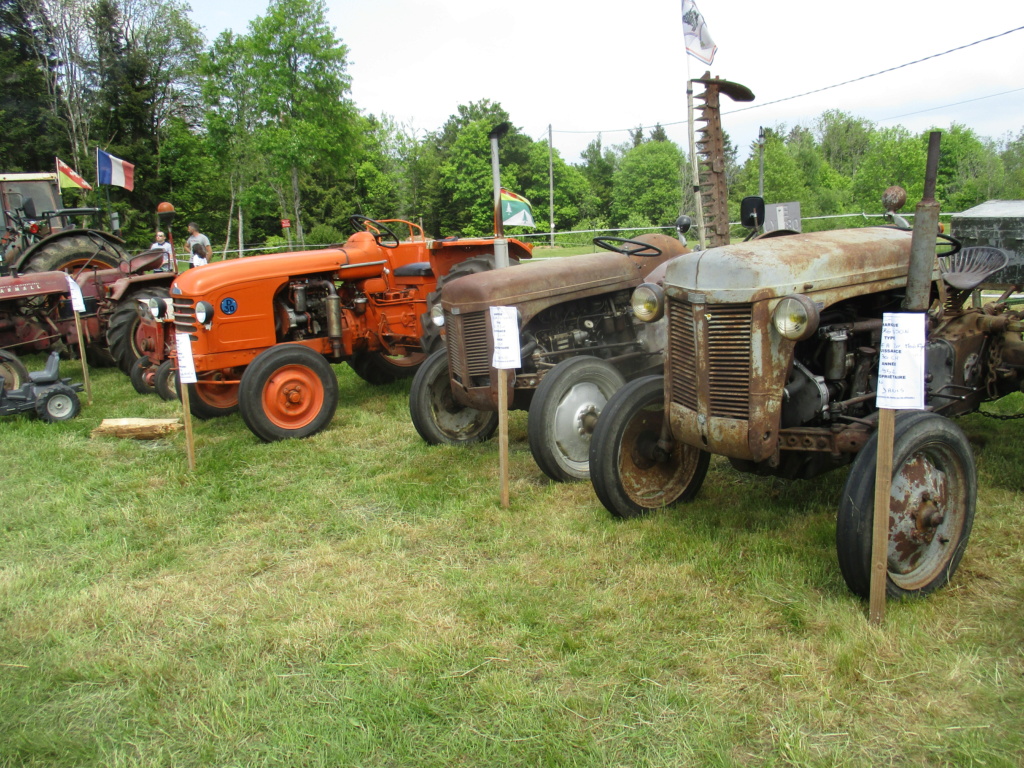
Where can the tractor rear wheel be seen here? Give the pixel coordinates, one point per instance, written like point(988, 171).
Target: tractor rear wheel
point(288, 391)
point(379, 368)
point(71, 253)
point(438, 418)
point(123, 328)
point(12, 369)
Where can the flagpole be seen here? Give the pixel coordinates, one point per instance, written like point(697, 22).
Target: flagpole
point(695, 172)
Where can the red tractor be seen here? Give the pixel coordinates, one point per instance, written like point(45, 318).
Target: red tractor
point(38, 247)
point(265, 329)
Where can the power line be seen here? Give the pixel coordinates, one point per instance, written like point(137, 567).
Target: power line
point(954, 104)
point(875, 74)
point(826, 88)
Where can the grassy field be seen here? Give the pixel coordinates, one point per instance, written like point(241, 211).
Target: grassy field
point(362, 599)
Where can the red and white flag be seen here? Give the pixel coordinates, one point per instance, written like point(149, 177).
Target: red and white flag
point(698, 40)
point(113, 170)
point(68, 177)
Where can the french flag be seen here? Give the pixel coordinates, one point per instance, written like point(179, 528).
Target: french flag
point(114, 170)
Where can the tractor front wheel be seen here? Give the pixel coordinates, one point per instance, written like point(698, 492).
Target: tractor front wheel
point(631, 473)
point(215, 394)
point(931, 507)
point(288, 391)
point(438, 418)
point(165, 380)
point(380, 368)
point(564, 412)
point(123, 331)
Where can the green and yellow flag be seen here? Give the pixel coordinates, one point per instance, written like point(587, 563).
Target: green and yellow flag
point(516, 210)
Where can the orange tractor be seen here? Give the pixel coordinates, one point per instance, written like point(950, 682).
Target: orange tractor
point(265, 329)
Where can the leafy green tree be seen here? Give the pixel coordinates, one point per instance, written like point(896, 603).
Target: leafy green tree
point(648, 185)
point(844, 139)
point(31, 136)
point(598, 169)
point(784, 180)
point(893, 156)
point(304, 117)
point(1012, 157)
point(970, 170)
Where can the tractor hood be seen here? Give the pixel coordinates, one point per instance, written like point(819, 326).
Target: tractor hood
point(541, 283)
point(33, 284)
point(360, 256)
point(804, 263)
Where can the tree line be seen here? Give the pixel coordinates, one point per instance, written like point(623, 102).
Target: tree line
point(252, 128)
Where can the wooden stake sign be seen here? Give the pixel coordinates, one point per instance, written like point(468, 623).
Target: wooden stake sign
point(186, 376)
point(505, 330)
point(78, 306)
point(901, 371)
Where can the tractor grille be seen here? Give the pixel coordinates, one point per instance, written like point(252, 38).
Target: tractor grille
point(467, 346)
point(185, 316)
point(725, 351)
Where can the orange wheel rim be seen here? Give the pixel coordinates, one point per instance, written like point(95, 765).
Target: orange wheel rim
point(217, 393)
point(293, 396)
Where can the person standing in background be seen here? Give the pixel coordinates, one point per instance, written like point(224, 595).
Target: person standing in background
point(161, 244)
point(198, 246)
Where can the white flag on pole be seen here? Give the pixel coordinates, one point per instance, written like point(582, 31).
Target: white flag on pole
point(698, 40)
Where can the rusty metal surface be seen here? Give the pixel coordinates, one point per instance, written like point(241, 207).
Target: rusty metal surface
point(925, 515)
point(539, 284)
point(803, 263)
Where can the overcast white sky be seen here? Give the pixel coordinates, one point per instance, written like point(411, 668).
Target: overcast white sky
point(603, 66)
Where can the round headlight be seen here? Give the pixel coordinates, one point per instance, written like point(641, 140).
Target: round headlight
point(155, 307)
point(204, 312)
point(795, 318)
point(437, 315)
point(648, 302)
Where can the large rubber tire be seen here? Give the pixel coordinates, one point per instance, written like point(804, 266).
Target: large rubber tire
point(142, 376)
point(13, 370)
point(629, 476)
point(563, 414)
point(378, 368)
point(58, 403)
point(432, 335)
point(438, 418)
point(934, 491)
point(288, 391)
point(165, 380)
point(123, 328)
point(73, 252)
point(211, 399)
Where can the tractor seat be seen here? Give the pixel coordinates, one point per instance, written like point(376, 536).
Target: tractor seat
point(970, 267)
point(50, 373)
point(416, 269)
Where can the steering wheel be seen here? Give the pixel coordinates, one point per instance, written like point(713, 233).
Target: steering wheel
point(627, 247)
point(954, 244)
point(385, 237)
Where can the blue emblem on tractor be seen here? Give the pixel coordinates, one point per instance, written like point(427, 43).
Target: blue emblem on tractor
point(228, 306)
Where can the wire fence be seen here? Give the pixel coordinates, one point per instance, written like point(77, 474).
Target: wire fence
point(566, 239)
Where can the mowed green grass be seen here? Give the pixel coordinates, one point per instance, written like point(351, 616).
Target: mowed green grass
point(361, 598)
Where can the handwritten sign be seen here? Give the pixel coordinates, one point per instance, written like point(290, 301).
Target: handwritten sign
point(77, 302)
point(505, 327)
point(186, 365)
point(901, 364)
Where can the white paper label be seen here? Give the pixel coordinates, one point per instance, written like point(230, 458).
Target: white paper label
point(505, 326)
point(901, 364)
point(77, 302)
point(186, 366)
